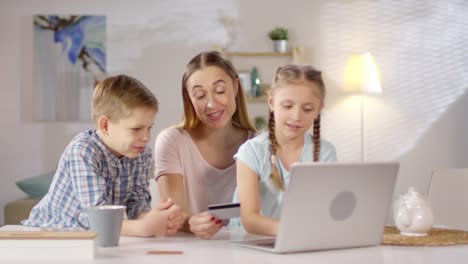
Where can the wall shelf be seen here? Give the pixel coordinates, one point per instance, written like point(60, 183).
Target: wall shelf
point(296, 53)
point(258, 53)
point(262, 99)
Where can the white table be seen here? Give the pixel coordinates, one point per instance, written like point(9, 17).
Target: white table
point(220, 251)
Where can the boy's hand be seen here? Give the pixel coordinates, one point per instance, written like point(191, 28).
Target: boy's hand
point(154, 223)
point(204, 225)
point(175, 220)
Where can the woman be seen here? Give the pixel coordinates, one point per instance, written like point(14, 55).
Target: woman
point(194, 162)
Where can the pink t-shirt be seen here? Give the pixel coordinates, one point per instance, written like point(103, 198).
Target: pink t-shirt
point(176, 153)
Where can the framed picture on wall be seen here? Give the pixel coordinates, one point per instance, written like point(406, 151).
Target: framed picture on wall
point(69, 59)
point(245, 81)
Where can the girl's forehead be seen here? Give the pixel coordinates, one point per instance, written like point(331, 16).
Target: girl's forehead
point(304, 89)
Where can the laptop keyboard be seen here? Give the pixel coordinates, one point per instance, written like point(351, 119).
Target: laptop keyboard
point(269, 244)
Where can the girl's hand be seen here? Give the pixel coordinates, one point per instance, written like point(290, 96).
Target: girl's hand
point(204, 225)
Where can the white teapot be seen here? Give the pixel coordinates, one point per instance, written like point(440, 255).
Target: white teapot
point(413, 214)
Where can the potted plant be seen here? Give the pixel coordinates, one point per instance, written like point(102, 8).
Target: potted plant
point(279, 35)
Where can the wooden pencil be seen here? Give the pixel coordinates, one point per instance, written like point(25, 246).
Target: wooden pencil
point(164, 252)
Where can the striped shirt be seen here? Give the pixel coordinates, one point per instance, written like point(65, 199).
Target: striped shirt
point(88, 174)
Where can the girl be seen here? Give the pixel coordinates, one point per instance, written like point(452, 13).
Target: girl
point(194, 161)
point(263, 163)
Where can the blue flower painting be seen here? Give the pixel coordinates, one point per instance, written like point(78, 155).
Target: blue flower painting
point(81, 37)
point(70, 58)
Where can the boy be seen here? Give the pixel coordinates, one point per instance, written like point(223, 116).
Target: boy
point(110, 165)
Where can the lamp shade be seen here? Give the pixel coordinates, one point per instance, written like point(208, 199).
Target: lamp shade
point(361, 75)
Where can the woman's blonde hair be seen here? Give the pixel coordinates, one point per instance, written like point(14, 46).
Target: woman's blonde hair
point(116, 96)
point(190, 119)
point(286, 75)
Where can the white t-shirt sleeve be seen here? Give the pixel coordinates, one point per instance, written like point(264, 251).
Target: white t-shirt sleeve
point(327, 152)
point(247, 154)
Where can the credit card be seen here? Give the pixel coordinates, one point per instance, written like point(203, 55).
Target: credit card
point(225, 211)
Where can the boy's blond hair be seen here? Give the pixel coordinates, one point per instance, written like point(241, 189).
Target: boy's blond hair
point(116, 96)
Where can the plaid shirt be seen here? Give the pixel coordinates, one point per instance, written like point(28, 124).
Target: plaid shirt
point(89, 174)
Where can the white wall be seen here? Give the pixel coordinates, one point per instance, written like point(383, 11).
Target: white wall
point(153, 40)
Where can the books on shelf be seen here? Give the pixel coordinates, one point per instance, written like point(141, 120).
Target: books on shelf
point(26, 243)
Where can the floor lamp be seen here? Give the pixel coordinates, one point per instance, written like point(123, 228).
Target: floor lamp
point(361, 77)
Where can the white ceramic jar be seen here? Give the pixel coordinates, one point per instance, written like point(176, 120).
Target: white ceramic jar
point(413, 214)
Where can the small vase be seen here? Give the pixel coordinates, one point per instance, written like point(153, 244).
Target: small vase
point(255, 79)
point(280, 45)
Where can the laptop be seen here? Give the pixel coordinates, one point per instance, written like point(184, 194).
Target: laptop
point(331, 206)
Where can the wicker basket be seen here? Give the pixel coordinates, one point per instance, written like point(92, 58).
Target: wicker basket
point(435, 237)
